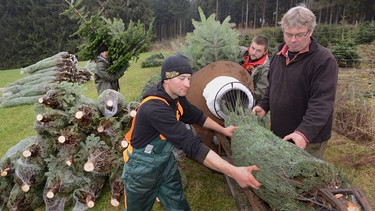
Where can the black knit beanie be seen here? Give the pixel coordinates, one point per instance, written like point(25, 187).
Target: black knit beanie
point(102, 48)
point(174, 66)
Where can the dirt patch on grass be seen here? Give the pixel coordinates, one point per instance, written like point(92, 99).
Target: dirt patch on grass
point(351, 153)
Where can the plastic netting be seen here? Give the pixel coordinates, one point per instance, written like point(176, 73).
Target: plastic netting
point(287, 173)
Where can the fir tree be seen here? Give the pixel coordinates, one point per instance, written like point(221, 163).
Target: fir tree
point(210, 41)
point(290, 176)
point(124, 43)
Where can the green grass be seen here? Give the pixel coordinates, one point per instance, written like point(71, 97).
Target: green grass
point(205, 190)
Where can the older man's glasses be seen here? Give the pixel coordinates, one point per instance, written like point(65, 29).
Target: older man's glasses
point(297, 36)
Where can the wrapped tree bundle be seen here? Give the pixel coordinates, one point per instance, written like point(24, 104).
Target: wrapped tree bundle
point(116, 183)
point(110, 130)
point(64, 69)
point(20, 101)
point(47, 70)
point(72, 175)
point(63, 97)
point(25, 201)
point(110, 102)
point(25, 94)
point(29, 172)
point(70, 139)
point(86, 115)
point(86, 196)
point(15, 152)
point(33, 90)
point(83, 76)
point(55, 60)
point(74, 75)
point(62, 180)
point(290, 176)
point(60, 184)
point(42, 146)
point(16, 89)
point(100, 156)
point(35, 78)
point(50, 121)
point(29, 168)
point(126, 115)
point(58, 203)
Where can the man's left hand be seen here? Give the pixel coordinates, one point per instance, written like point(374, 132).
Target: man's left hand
point(298, 140)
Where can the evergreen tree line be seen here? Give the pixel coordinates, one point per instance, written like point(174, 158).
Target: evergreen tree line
point(33, 30)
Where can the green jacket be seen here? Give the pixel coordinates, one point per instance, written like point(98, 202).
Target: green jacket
point(104, 79)
point(260, 80)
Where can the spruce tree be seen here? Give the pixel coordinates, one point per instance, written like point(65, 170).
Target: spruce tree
point(124, 43)
point(290, 176)
point(210, 41)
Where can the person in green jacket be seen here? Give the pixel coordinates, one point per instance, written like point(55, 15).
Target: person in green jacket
point(256, 63)
point(103, 78)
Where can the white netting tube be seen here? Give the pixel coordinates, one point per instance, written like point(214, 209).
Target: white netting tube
point(220, 86)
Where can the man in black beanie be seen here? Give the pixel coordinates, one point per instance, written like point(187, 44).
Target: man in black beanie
point(159, 126)
point(104, 79)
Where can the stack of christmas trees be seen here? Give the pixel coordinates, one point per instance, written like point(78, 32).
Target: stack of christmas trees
point(77, 149)
point(43, 75)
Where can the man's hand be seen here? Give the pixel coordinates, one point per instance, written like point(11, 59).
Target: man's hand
point(257, 110)
point(245, 178)
point(298, 140)
point(242, 175)
point(228, 131)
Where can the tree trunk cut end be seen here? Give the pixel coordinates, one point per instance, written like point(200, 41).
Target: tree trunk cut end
point(50, 195)
point(115, 202)
point(25, 188)
point(79, 114)
point(89, 167)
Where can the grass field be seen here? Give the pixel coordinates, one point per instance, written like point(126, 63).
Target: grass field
point(206, 190)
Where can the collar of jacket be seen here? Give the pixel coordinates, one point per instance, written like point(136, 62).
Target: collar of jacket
point(158, 90)
point(284, 51)
point(248, 64)
point(104, 59)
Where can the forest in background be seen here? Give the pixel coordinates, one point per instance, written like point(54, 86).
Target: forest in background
point(32, 30)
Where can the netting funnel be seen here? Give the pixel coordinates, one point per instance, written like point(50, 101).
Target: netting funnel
point(217, 83)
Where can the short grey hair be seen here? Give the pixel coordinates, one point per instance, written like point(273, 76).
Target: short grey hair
point(298, 17)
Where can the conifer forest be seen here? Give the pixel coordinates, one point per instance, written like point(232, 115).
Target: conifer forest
point(33, 30)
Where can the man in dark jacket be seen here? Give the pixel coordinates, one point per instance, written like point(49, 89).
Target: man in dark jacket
point(302, 85)
point(150, 168)
point(104, 79)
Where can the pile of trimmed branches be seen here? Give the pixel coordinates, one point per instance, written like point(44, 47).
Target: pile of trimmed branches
point(41, 77)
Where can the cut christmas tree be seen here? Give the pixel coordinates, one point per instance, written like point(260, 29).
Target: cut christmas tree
point(290, 176)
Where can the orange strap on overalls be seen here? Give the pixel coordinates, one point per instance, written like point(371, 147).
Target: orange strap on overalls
point(128, 135)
